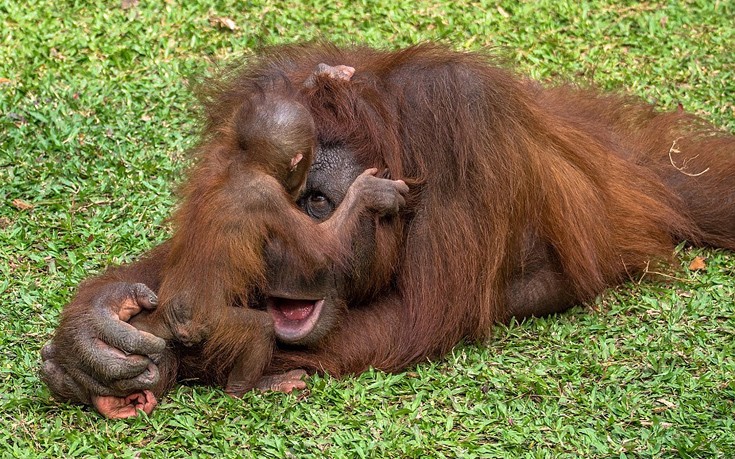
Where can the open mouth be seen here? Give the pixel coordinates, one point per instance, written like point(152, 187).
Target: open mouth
point(294, 319)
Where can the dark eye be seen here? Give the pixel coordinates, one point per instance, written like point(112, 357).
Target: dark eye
point(317, 205)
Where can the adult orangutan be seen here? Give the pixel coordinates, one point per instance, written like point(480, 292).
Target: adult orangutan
point(524, 201)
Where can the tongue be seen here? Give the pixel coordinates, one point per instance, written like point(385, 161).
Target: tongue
point(295, 310)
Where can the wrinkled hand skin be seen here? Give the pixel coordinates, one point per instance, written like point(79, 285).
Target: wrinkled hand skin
point(97, 358)
point(125, 407)
point(379, 193)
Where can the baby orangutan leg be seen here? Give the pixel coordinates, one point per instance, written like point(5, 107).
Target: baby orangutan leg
point(243, 341)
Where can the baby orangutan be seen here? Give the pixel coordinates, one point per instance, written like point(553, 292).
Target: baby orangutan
point(240, 196)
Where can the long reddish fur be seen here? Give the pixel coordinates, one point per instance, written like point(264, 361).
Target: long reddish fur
point(491, 155)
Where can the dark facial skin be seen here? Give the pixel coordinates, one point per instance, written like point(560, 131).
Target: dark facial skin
point(538, 289)
point(333, 171)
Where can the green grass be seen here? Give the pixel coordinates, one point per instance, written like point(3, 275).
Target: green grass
point(95, 118)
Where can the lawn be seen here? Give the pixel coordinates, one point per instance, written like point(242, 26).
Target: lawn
point(96, 115)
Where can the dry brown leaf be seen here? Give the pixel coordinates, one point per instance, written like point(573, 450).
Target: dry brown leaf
point(664, 425)
point(697, 264)
point(127, 4)
point(21, 204)
point(667, 405)
point(223, 22)
point(5, 81)
point(56, 54)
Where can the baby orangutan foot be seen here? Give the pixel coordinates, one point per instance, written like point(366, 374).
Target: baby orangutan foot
point(285, 382)
point(337, 72)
